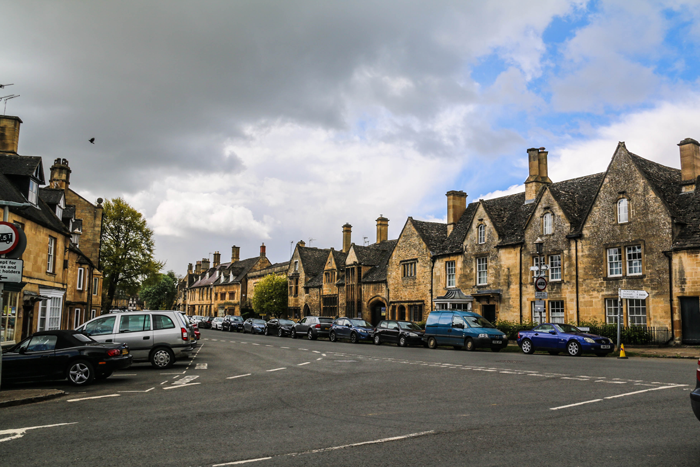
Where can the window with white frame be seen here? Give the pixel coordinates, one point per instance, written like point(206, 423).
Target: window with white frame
point(556, 311)
point(614, 262)
point(481, 270)
point(76, 318)
point(95, 285)
point(481, 234)
point(622, 211)
point(634, 260)
point(296, 266)
point(81, 278)
point(538, 317)
point(637, 312)
point(51, 263)
point(33, 192)
point(555, 267)
point(50, 311)
point(93, 313)
point(537, 261)
point(547, 223)
point(450, 271)
point(612, 310)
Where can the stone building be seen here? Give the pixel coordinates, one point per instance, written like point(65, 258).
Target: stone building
point(277, 269)
point(305, 277)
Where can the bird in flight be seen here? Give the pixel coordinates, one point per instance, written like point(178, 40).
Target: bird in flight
point(92, 140)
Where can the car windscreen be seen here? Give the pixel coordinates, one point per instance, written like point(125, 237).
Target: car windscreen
point(286, 322)
point(566, 328)
point(407, 325)
point(361, 323)
point(326, 320)
point(478, 322)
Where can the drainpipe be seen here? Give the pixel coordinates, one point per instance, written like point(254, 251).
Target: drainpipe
point(577, 311)
point(520, 285)
point(669, 255)
point(432, 268)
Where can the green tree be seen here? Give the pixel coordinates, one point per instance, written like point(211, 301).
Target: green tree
point(270, 297)
point(161, 294)
point(126, 251)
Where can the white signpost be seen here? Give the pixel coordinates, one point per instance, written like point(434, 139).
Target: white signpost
point(623, 294)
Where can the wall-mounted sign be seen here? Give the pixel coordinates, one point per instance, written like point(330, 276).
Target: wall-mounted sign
point(11, 270)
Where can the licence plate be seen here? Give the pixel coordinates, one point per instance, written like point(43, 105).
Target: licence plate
point(125, 351)
point(604, 346)
point(497, 342)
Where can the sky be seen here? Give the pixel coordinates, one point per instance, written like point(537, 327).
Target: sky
point(248, 122)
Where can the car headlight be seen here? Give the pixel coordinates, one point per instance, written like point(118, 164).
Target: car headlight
point(412, 334)
point(362, 331)
point(589, 340)
point(483, 335)
point(503, 336)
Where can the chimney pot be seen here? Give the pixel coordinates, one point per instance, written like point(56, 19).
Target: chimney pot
point(456, 205)
point(382, 229)
point(262, 250)
point(9, 133)
point(347, 234)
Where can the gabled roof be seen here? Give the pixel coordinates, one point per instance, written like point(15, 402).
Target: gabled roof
point(576, 196)
point(339, 258)
point(509, 215)
point(238, 270)
point(454, 243)
point(52, 196)
point(22, 166)
point(313, 261)
point(381, 252)
point(433, 234)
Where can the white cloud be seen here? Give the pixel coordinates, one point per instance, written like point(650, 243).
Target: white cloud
point(511, 190)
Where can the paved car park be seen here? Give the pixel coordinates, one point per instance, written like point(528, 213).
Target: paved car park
point(278, 401)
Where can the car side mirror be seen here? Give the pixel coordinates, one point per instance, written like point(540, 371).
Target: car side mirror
point(552, 332)
point(22, 350)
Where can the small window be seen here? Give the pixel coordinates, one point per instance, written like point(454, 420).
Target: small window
point(51, 262)
point(612, 310)
point(81, 278)
point(33, 192)
point(637, 312)
point(537, 262)
point(481, 271)
point(547, 223)
point(296, 266)
point(614, 262)
point(95, 285)
point(450, 271)
point(634, 260)
point(555, 268)
point(556, 311)
point(481, 234)
point(76, 318)
point(409, 269)
point(622, 211)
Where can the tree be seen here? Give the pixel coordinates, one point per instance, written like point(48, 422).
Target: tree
point(160, 295)
point(126, 251)
point(270, 296)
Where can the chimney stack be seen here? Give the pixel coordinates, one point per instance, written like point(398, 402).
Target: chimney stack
point(262, 250)
point(537, 163)
point(301, 243)
point(235, 253)
point(205, 264)
point(60, 174)
point(9, 133)
point(690, 164)
point(189, 268)
point(382, 229)
point(198, 268)
point(347, 233)
point(217, 259)
point(456, 205)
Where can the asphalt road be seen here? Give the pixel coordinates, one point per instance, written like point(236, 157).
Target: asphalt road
point(275, 401)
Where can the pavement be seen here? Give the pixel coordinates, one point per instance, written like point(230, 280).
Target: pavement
point(10, 397)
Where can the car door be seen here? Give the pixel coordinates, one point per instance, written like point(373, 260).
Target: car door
point(22, 364)
point(541, 337)
point(344, 328)
point(136, 331)
point(102, 329)
point(444, 329)
point(392, 332)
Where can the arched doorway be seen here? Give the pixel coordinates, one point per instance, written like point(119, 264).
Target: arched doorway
point(307, 310)
point(377, 311)
point(402, 313)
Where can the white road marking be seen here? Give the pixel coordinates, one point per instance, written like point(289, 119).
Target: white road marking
point(323, 354)
point(575, 379)
point(180, 386)
point(646, 390)
point(305, 363)
point(19, 432)
point(319, 358)
point(277, 369)
point(269, 345)
point(124, 374)
point(201, 366)
point(147, 390)
point(185, 380)
point(574, 405)
point(93, 397)
point(315, 351)
point(255, 343)
point(238, 376)
point(334, 448)
point(610, 382)
point(182, 373)
point(303, 349)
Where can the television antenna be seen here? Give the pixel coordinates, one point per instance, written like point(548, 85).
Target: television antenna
point(7, 98)
point(311, 240)
point(4, 85)
point(366, 241)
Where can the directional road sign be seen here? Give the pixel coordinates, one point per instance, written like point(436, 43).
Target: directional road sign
point(11, 270)
point(633, 294)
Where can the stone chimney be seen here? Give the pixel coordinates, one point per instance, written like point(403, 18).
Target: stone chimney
point(456, 205)
point(690, 164)
point(198, 268)
point(235, 253)
point(262, 250)
point(205, 264)
point(60, 174)
point(301, 243)
point(189, 268)
point(217, 259)
point(382, 229)
point(537, 163)
point(9, 133)
point(347, 234)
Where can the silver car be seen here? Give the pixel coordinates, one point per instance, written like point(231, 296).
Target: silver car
point(216, 323)
point(160, 337)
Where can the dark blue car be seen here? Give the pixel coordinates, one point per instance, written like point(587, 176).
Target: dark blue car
point(354, 329)
point(557, 337)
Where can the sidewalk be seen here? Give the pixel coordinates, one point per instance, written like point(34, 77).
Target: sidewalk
point(27, 396)
point(680, 351)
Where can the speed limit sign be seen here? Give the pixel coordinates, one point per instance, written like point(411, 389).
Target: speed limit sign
point(540, 284)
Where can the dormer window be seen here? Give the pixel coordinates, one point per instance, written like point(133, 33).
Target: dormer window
point(547, 223)
point(60, 206)
point(622, 211)
point(481, 234)
point(33, 192)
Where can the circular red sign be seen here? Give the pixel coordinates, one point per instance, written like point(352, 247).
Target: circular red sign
point(540, 284)
point(9, 237)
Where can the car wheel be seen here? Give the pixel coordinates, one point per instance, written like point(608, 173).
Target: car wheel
point(80, 373)
point(553, 352)
point(402, 341)
point(266, 332)
point(574, 348)
point(432, 343)
point(353, 338)
point(332, 337)
point(377, 340)
point(104, 375)
point(293, 335)
point(279, 332)
point(310, 335)
point(527, 346)
point(162, 358)
point(469, 344)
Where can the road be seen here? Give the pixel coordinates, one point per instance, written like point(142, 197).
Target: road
point(276, 401)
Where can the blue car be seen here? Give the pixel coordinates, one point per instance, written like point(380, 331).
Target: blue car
point(556, 338)
point(462, 330)
point(349, 328)
point(254, 326)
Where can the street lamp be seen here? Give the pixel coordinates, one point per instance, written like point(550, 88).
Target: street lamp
point(539, 246)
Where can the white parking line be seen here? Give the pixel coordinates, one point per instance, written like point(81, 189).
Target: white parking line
point(277, 369)
point(147, 390)
point(238, 376)
point(646, 390)
point(305, 363)
point(255, 343)
point(574, 405)
point(284, 347)
point(610, 382)
point(181, 386)
point(319, 358)
point(201, 366)
point(93, 397)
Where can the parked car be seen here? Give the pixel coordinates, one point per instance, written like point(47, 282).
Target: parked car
point(50, 355)
point(232, 323)
point(401, 333)
point(557, 337)
point(254, 326)
point(205, 322)
point(160, 337)
point(354, 329)
point(216, 323)
point(462, 329)
point(313, 327)
point(695, 395)
point(280, 327)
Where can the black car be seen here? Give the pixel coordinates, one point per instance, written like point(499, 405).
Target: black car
point(49, 355)
point(695, 395)
point(401, 333)
point(205, 323)
point(232, 323)
point(312, 327)
point(280, 327)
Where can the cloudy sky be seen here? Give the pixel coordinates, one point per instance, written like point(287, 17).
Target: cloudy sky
point(243, 122)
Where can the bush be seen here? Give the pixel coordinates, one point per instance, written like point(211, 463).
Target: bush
point(511, 328)
point(631, 335)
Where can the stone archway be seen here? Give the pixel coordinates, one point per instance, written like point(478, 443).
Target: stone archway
point(307, 310)
point(377, 311)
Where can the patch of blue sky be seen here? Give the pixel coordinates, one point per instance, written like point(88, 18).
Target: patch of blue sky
point(563, 28)
point(681, 58)
point(488, 68)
